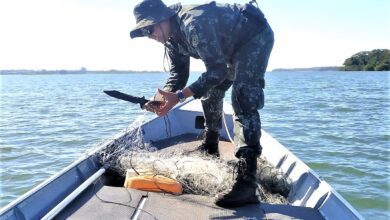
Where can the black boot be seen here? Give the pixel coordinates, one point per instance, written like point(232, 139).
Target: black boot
point(210, 143)
point(245, 187)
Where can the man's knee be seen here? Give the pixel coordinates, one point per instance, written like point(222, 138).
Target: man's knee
point(247, 99)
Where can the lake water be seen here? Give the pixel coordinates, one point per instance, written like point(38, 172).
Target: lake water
point(336, 122)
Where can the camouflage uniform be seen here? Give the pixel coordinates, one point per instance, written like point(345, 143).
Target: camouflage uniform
point(235, 44)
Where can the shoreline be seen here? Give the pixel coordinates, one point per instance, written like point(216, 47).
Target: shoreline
point(32, 73)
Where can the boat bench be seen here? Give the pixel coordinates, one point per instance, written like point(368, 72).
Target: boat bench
point(106, 202)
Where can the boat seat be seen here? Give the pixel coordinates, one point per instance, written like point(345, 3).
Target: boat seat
point(165, 206)
point(103, 202)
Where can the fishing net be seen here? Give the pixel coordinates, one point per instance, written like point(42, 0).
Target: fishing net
point(198, 173)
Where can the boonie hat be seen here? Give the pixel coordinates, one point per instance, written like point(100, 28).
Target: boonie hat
point(147, 13)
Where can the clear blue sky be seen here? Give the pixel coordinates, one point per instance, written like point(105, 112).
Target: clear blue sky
point(69, 34)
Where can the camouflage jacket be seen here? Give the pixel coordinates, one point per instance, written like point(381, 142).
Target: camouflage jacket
point(211, 32)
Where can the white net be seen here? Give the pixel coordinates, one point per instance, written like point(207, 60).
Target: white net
point(198, 173)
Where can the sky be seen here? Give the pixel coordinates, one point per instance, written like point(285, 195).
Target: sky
point(70, 34)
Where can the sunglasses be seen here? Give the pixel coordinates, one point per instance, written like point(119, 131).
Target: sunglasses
point(147, 31)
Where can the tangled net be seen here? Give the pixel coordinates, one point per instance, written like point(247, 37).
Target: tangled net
point(199, 174)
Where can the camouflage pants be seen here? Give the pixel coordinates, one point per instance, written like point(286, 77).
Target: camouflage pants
point(249, 65)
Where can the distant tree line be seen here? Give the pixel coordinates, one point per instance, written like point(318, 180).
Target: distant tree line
point(375, 60)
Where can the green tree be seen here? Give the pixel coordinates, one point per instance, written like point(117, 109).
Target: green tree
point(375, 60)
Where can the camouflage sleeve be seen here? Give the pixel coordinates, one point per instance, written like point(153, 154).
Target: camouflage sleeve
point(179, 71)
point(204, 38)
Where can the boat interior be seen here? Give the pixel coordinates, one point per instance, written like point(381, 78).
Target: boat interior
point(106, 198)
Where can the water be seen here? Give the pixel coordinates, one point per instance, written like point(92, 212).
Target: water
point(336, 122)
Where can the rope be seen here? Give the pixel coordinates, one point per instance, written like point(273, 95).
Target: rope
point(226, 127)
point(119, 203)
point(167, 124)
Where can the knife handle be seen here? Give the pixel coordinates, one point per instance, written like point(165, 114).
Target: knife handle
point(156, 103)
point(152, 105)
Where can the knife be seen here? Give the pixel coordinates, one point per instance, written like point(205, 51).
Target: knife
point(126, 97)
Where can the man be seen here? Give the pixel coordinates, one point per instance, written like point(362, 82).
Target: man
point(235, 43)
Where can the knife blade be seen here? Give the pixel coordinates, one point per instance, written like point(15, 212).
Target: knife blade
point(126, 97)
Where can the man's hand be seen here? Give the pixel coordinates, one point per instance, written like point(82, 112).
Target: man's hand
point(170, 100)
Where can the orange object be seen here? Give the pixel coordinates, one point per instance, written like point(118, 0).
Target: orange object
point(154, 183)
